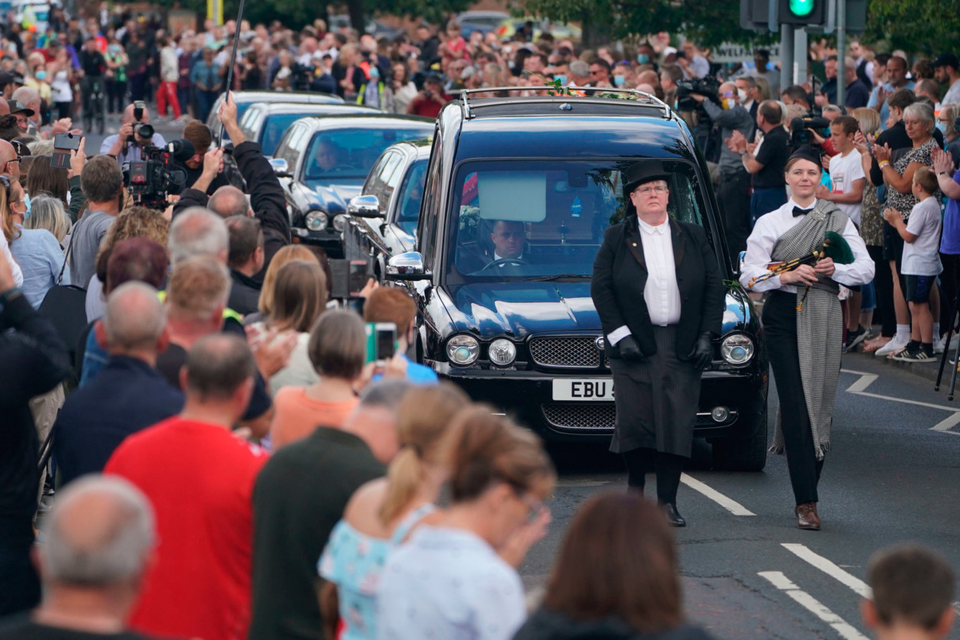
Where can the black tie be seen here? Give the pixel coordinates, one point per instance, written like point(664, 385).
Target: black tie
point(797, 211)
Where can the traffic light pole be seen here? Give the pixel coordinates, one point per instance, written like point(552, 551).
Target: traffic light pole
point(800, 53)
point(786, 57)
point(841, 52)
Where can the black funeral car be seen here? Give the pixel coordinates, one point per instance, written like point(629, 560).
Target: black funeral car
point(323, 161)
point(522, 333)
point(266, 122)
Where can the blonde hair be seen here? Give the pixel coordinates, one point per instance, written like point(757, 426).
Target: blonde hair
point(868, 118)
point(46, 212)
point(197, 288)
point(287, 254)
point(424, 429)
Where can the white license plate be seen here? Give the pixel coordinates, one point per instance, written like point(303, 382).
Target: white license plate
point(597, 389)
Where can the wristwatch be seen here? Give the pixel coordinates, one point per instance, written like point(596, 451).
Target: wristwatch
point(743, 152)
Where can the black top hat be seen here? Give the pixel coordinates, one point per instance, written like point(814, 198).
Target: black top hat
point(641, 172)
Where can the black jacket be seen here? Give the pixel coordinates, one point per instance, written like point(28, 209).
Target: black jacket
point(549, 625)
point(620, 274)
point(266, 199)
point(244, 293)
point(34, 362)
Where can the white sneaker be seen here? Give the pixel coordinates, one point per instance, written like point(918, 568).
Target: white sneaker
point(891, 347)
point(937, 345)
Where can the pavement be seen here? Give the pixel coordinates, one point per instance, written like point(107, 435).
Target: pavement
point(891, 476)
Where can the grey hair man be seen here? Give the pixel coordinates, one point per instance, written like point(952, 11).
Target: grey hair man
point(100, 537)
point(198, 232)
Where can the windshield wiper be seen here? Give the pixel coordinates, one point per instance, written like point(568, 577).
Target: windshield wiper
point(560, 276)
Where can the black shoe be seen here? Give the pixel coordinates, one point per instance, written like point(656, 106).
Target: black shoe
point(854, 338)
point(673, 516)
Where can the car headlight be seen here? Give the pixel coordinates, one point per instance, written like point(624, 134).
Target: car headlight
point(316, 221)
point(737, 349)
point(502, 352)
point(463, 350)
point(340, 221)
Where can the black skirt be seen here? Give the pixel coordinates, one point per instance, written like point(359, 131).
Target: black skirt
point(656, 399)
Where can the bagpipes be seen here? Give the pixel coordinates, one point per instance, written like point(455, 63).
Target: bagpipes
point(834, 246)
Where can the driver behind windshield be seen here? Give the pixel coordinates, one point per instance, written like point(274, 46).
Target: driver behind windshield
point(328, 156)
point(509, 239)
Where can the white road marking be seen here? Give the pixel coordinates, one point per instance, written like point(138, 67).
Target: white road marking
point(811, 604)
point(866, 379)
point(730, 505)
point(859, 587)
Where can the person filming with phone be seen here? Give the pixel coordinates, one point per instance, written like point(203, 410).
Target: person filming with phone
point(390, 304)
point(136, 132)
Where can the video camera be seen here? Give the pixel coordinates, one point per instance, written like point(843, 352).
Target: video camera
point(708, 87)
point(159, 174)
point(802, 129)
point(142, 129)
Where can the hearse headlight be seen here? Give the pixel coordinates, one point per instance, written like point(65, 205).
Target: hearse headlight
point(737, 349)
point(316, 221)
point(340, 221)
point(502, 352)
point(463, 350)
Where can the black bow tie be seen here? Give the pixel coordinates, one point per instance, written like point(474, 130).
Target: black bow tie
point(797, 211)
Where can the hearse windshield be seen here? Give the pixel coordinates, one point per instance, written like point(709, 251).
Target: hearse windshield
point(545, 219)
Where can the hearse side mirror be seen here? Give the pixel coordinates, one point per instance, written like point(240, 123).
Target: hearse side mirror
point(364, 207)
point(407, 266)
point(280, 167)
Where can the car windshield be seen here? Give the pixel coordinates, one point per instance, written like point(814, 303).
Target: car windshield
point(273, 129)
point(411, 194)
point(545, 219)
point(345, 156)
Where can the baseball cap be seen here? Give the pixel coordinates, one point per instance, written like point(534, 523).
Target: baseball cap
point(21, 148)
point(5, 79)
point(18, 78)
point(947, 60)
point(17, 107)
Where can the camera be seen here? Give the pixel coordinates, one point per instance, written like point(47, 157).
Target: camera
point(708, 86)
point(802, 129)
point(142, 129)
point(159, 174)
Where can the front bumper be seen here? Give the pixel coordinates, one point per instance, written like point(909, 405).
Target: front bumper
point(527, 397)
point(330, 240)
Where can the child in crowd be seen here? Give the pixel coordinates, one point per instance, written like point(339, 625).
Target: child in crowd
point(921, 262)
point(913, 590)
point(846, 191)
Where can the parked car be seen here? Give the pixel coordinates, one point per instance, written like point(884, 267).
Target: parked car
point(383, 219)
point(482, 21)
point(245, 99)
point(523, 334)
point(323, 161)
point(265, 122)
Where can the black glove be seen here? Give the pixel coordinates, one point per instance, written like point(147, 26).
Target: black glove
point(630, 350)
point(702, 353)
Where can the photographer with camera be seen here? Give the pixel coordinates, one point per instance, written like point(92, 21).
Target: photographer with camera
point(135, 133)
point(734, 191)
point(267, 202)
point(429, 101)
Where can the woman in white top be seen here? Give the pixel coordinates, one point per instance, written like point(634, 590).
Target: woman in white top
point(403, 88)
point(454, 579)
point(803, 308)
point(382, 512)
point(299, 297)
point(61, 85)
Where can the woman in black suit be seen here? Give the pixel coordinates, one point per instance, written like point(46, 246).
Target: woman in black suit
point(658, 291)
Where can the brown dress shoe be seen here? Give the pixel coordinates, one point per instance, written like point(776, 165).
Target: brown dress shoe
point(807, 517)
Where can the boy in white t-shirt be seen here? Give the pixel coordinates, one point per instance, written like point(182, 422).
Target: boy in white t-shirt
point(921, 262)
point(847, 179)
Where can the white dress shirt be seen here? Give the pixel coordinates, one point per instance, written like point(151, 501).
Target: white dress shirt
point(768, 230)
point(661, 293)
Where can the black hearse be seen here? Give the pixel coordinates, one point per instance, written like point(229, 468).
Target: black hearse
point(521, 333)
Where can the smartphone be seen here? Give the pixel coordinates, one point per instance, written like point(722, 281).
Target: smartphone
point(63, 144)
point(381, 341)
point(356, 277)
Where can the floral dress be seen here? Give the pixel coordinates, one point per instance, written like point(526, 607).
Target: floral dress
point(354, 562)
point(904, 202)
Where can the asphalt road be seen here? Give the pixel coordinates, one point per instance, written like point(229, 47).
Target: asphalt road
point(889, 478)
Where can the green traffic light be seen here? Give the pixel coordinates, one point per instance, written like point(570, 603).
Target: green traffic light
point(801, 8)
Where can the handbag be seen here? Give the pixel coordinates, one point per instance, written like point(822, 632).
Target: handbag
point(65, 306)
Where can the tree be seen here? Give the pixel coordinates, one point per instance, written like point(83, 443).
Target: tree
point(917, 26)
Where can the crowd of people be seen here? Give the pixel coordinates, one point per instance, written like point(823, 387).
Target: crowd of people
point(230, 464)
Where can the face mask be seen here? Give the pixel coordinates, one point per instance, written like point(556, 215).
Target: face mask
point(942, 126)
point(40, 75)
point(374, 73)
point(562, 79)
point(619, 80)
point(26, 200)
point(114, 48)
point(743, 95)
point(643, 58)
point(727, 103)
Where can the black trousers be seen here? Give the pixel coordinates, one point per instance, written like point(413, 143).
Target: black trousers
point(780, 335)
point(949, 288)
point(883, 283)
point(734, 197)
point(667, 466)
point(19, 583)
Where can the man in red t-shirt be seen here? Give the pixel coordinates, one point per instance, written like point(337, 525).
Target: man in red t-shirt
point(429, 101)
point(200, 478)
